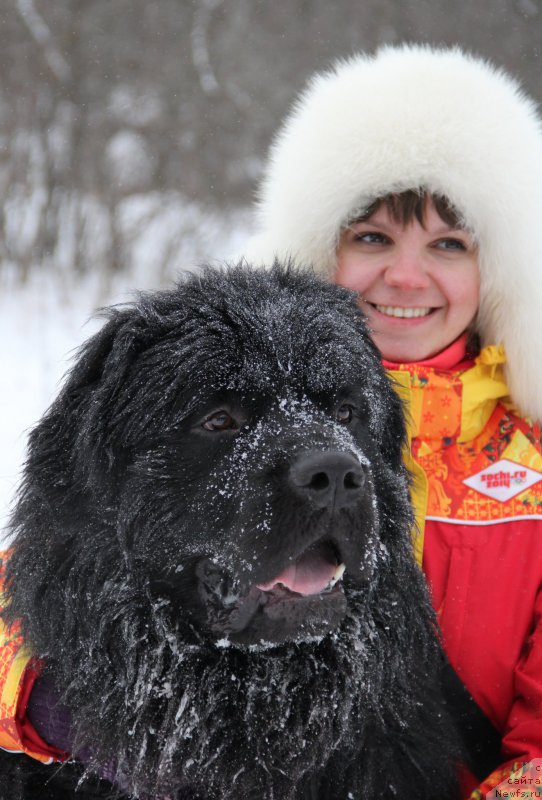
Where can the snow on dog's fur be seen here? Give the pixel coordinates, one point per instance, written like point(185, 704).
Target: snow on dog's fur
point(219, 453)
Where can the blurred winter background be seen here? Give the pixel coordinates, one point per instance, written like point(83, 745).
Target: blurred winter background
point(132, 136)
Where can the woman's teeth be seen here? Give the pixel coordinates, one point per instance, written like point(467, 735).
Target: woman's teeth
point(397, 311)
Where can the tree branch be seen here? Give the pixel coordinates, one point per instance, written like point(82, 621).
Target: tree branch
point(41, 34)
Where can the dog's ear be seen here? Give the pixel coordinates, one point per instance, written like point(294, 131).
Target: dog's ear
point(72, 443)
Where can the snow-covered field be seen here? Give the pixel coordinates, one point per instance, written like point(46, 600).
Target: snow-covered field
point(44, 320)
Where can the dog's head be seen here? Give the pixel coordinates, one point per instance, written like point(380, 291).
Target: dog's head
point(224, 441)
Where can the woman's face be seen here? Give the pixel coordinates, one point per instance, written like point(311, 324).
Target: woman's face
point(418, 286)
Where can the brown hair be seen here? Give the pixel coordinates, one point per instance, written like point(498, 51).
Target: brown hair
point(411, 204)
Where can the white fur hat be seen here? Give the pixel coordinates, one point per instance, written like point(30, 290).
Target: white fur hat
point(417, 117)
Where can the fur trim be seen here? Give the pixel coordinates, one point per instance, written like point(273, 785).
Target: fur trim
point(417, 117)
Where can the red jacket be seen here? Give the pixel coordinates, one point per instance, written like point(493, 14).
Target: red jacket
point(478, 484)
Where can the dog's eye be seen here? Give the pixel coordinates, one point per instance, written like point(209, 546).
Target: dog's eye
point(220, 421)
point(345, 414)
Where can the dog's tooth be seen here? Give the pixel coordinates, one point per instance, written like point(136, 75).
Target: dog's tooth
point(337, 575)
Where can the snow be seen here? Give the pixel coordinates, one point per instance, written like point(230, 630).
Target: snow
point(43, 321)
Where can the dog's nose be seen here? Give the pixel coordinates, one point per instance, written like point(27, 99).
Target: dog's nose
point(328, 478)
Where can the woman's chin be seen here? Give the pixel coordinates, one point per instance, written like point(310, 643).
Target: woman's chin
point(405, 340)
point(405, 352)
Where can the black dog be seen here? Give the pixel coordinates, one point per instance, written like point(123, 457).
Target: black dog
point(219, 456)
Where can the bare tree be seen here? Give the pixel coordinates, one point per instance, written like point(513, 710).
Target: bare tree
point(126, 117)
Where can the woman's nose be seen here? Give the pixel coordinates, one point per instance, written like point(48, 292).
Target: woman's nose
point(406, 270)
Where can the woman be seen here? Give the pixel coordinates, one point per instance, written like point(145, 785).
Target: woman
point(415, 178)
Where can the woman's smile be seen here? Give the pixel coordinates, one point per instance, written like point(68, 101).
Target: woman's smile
point(399, 312)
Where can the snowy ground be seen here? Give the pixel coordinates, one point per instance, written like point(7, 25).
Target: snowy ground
point(41, 324)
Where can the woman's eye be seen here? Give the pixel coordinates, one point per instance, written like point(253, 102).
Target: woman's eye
point(220, 421)
point(371, 238)
point(345, 414)
point(451, 244)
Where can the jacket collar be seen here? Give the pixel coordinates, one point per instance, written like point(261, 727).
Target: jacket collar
point(463, 397)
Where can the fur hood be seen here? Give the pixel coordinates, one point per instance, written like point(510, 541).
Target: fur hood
point(417, 117)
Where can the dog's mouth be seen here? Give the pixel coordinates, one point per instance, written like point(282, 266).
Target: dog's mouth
point(316, 571)
point(303, 600)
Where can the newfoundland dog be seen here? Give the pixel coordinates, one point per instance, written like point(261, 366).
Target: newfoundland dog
point(211, 560)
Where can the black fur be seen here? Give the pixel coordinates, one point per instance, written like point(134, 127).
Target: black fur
point(141, 536)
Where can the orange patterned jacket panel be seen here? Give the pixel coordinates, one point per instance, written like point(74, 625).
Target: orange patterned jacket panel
point(18, 672)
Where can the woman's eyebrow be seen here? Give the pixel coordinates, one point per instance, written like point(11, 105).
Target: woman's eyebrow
point(360, 219)
point(455, 229)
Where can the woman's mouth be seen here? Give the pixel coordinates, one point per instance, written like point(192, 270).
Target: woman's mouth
point(403, 312)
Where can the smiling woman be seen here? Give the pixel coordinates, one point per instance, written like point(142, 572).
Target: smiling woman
point(418, 279)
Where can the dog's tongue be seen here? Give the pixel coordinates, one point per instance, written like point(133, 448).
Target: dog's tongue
point(310, 574)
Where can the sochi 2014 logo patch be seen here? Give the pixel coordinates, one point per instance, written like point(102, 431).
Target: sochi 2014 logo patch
point(503, 480)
